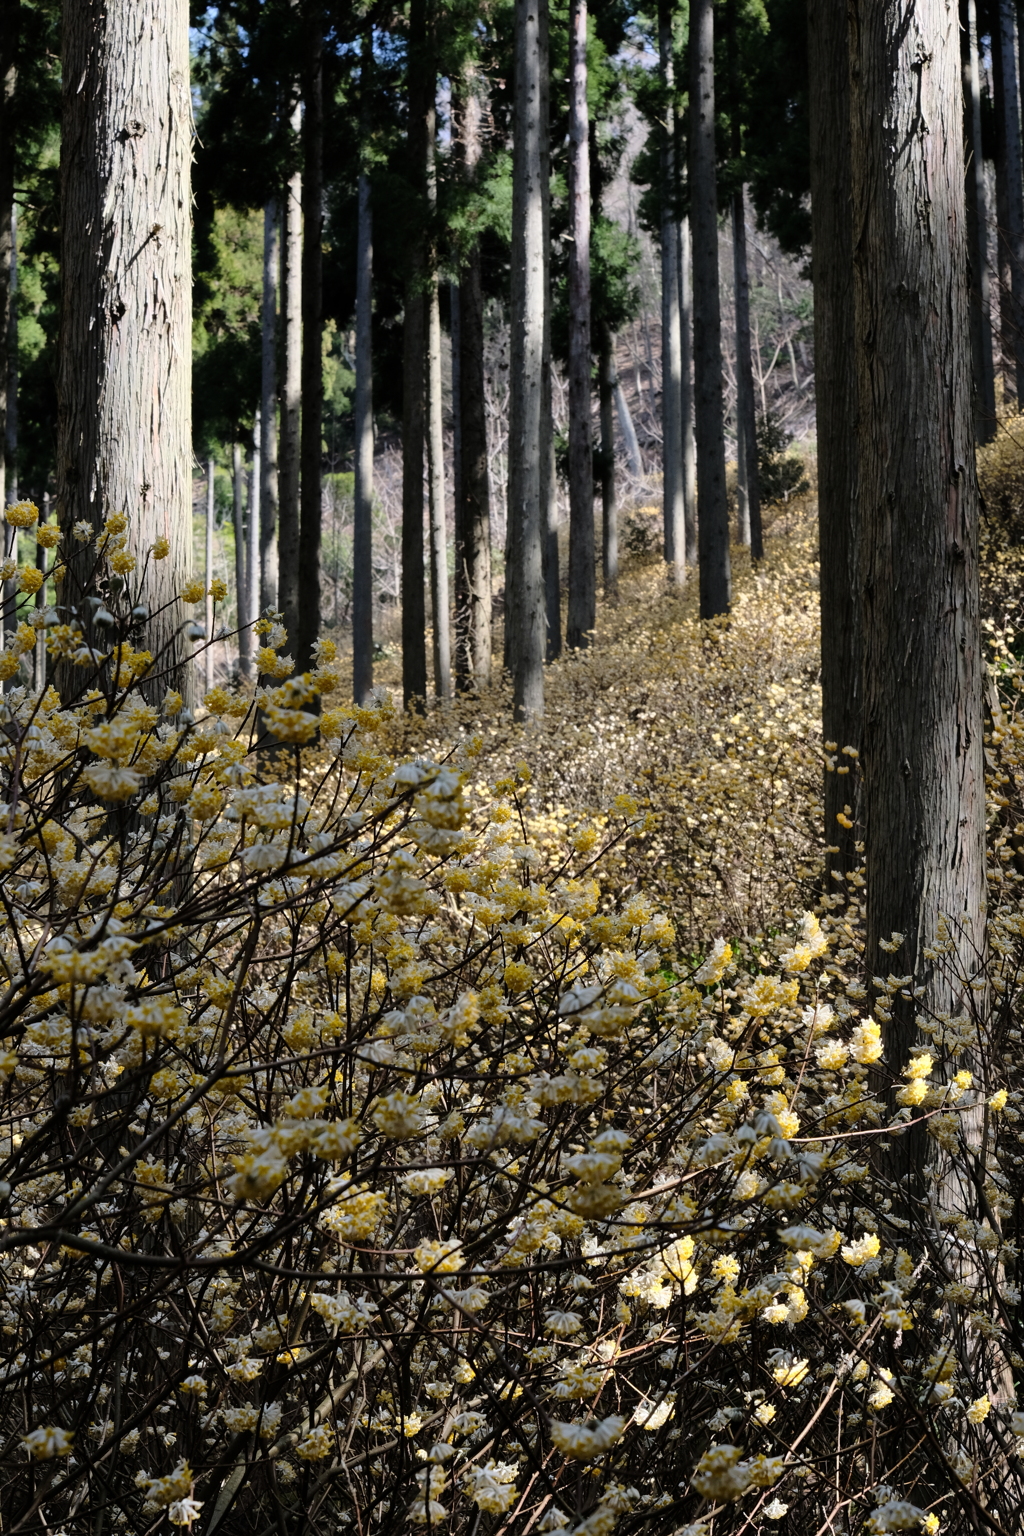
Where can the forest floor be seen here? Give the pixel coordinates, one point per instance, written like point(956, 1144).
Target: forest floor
point(713, 729)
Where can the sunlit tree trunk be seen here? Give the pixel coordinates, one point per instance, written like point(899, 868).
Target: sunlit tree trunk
point(242, 618)
point(414, 374)
point(124, 385)
point(922, 741)
point(435, 446)
point(689, 443)
point(268, 407)
point(709, 412)
point(311, 498)
point(746, 417)
point(472, 506)
point(291, 396)
point(362, 533)
point(674, 531)
point(582, 609)
point(609, 508)
point(252, 527)
point(835, 394)
point(208, 566)
point(529, 299)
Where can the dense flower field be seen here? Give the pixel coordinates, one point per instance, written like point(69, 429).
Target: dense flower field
point(438, 1124)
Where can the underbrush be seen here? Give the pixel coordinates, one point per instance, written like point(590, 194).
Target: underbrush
point(481, 1129)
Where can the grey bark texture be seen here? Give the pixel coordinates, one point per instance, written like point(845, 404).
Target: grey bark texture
point(709, 411)
point(241, 582)
point(581, 616)
point(472, 504)
point(1011, 232)
point(311, 497)
point(686, 390)
point(609, 388)
point(527, 441)
point(630, 441)
point(438, 522)
point(414, 376)
point(746, 416)
point(977, 233)
point(252, 527)
point(208, 569)
point(291, 396)
point(922, 742)
point(124, 383)
point(835, 393)
point(674, 532)
point(268, 406)
point(362, 533)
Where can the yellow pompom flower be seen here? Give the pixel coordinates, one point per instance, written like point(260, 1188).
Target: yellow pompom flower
point(22, 514)
point(193, 591)
point(30, 579)
point(161, 549)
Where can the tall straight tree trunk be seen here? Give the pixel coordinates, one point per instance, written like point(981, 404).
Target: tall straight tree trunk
point(1012, 234)
point(241, 575)
point(362, 531)
point(630, 441)
point(609, 384)
point(414, 374)
point(527, 442)
point(746, 416)
point(922, 744)
point(435, 433)
point(582, 611)
point(671, 343)
point(548, 469)
point(208, 566)
point(268, 407)
point(709, 412)
point(252, 555)
point(124, 384)
point(835, 394)
point(291, 396)
point(472, 504)
point(977, 233)
point(311, 499)
point(686, 390)
point(10, 23)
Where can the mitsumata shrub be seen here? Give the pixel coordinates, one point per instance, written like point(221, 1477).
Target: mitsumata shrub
point(386, 1145)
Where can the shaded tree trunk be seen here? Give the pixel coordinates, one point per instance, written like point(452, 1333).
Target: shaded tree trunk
point(835, 396)
point(671, 344)
point(582, 610)
point(9, 35)
point(686, 391)
point(311, 499)
point(362, 532)
point(414, 376)
point(124, 385)
point(268, 407)
point(472, 505)
point(922, 742)
point(609, 384)
point(977, 231)
point(291, 397)
point(712, 507)
point(527, 441)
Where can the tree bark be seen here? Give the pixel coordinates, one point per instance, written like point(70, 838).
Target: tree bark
point(242, 618)
point(528, 326)
point(746, 417)
point(435, 434)
point(268, 407)
point(977, 233)
point(252, 530)
point(686, 391)
point(362, 533)
point(671, 344)
point(630, 441)
point(922, 744)
point(472, 505)
point(835, 393)
point(124, 384)
point(311, 499)
point(709, 412)
point(1013, 232)
point(208, 566)
point(9, 37)
point(609, 384)
point(291, 396)
point(582, 609)
point(414, 377)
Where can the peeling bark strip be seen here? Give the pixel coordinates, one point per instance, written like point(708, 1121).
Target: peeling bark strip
point(124, 384)
point(924, 788)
